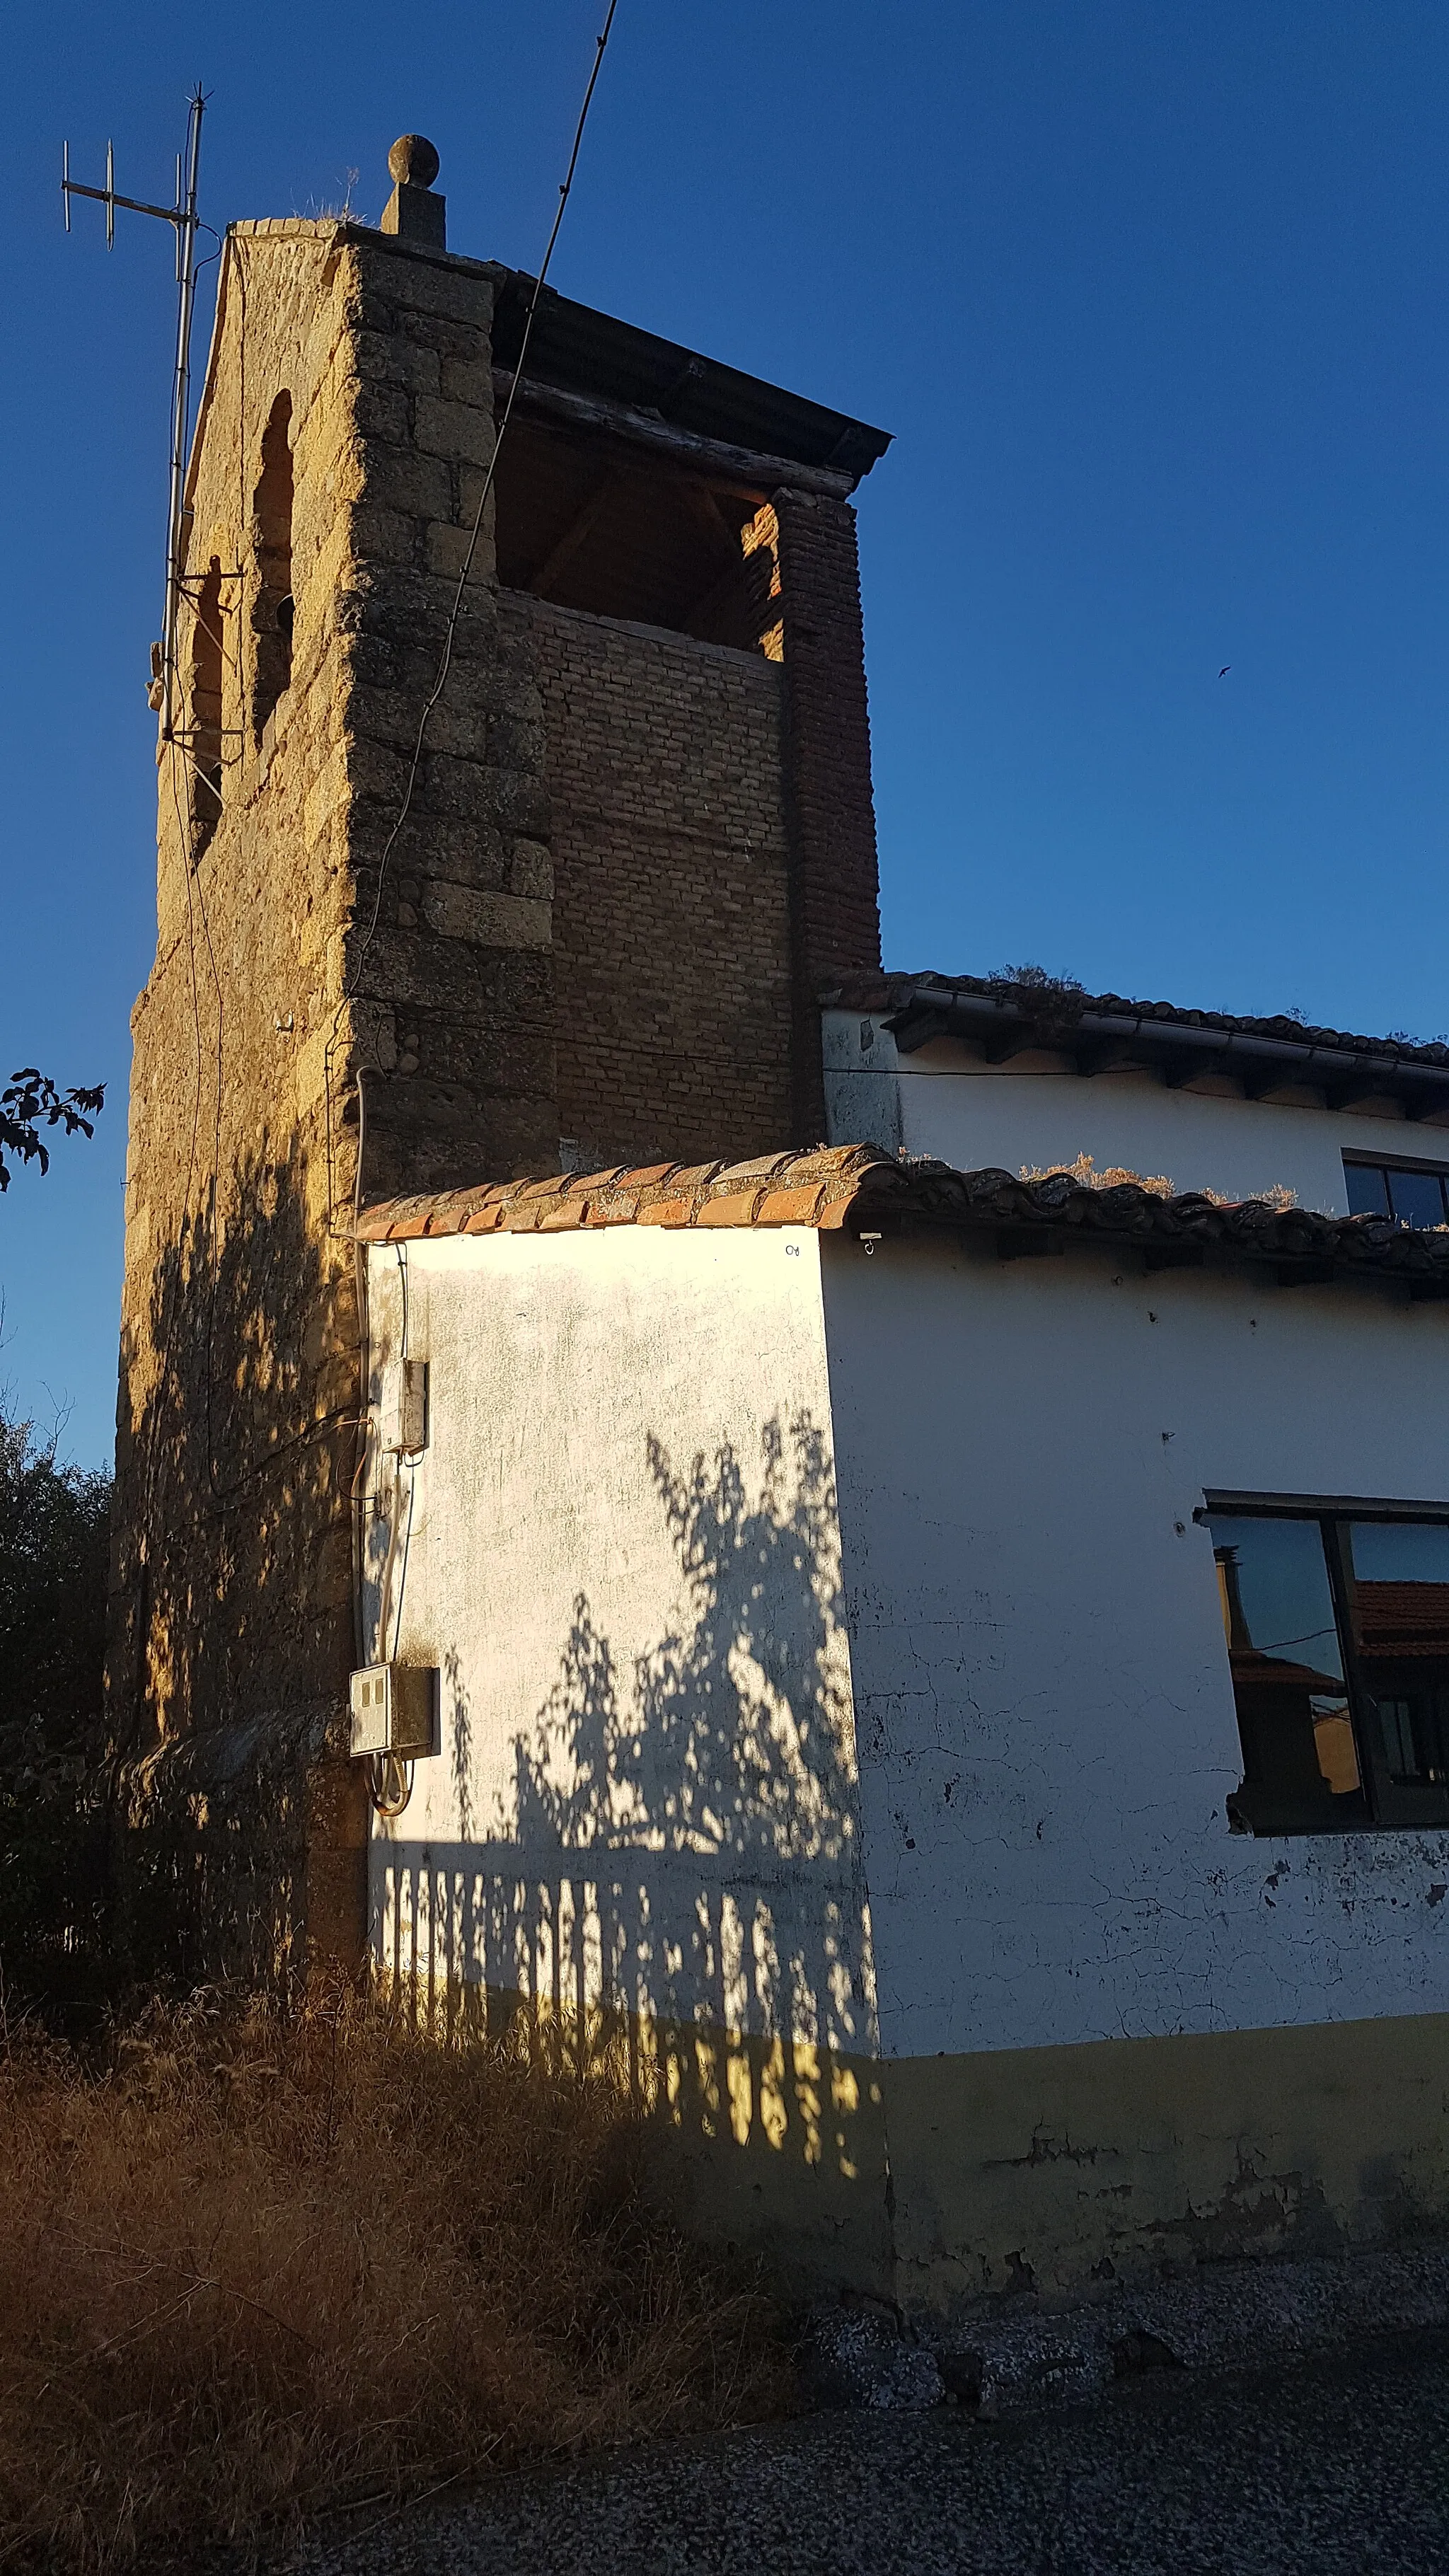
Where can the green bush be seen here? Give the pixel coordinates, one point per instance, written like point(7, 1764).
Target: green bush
point(54, 1539)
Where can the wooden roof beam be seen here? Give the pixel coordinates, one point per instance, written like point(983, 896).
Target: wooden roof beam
point(1358, 1090)
point(743, 469)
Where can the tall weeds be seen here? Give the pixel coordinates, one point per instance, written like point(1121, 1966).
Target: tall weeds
point(258, 2266)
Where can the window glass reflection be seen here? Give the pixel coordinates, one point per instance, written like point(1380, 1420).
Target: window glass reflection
point(1418, 1197)
point(1400, 1576)
point(1368, 1189)
point(1394, 1189)
point(1300, 1758)
point(1276, 1600)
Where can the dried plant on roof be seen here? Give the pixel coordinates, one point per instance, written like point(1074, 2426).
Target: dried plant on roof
point(1087, 1177)
point(1085, 1173)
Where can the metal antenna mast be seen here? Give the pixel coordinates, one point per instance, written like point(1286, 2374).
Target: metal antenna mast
point(184, 219)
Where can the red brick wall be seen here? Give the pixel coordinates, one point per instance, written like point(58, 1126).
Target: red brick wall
point(671, 921)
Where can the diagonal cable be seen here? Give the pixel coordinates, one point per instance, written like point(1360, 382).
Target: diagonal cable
point(445, 663)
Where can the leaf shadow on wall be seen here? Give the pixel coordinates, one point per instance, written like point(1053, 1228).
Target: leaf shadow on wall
point(230, 1627)
point(680, 1870)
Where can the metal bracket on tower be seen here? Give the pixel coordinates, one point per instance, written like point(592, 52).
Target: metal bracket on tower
point(183, 217)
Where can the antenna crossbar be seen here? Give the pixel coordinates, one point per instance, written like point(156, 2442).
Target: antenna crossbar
point(137, 205)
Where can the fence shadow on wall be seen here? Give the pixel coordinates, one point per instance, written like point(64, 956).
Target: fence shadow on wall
point(677, 1870)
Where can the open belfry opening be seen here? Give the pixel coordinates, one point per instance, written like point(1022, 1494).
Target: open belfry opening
point(582, 919)
point(590, 520)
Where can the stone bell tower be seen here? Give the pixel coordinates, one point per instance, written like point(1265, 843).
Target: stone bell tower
point(581, 911)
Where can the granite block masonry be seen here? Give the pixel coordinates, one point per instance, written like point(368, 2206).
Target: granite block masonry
point(636, 835)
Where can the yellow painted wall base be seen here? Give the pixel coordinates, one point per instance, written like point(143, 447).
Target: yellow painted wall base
point(1055, 2168)
point(1058, 2166)
point(938, 2181)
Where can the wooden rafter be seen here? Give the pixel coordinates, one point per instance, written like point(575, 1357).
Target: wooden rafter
point(742, 468)
point(580, 526)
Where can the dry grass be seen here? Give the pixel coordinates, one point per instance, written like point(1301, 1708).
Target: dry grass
point(1087, 1177)
point(258, 2267)
point(1085, 1173)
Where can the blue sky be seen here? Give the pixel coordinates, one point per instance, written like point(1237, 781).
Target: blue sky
point(1151, 293)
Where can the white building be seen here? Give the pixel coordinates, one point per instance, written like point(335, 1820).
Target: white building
point(978, 1725)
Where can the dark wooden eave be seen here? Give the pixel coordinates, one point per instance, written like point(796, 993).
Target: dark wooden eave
point(576, 350)
point(1100, 1033)
point(752, 472)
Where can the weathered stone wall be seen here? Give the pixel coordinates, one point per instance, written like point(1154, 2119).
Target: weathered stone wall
point(282, 982)
point(665, 762)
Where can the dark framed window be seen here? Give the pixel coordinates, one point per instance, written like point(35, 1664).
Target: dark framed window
point(1337, 1625)
point(1415, 1194)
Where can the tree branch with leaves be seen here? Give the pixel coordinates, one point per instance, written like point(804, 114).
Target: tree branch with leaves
point(30, 1102)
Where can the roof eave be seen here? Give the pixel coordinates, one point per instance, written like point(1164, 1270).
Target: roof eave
point(860, 1191)
point(1182, 1047)
point(578, 349)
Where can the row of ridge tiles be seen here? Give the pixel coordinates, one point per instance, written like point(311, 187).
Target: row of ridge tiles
point(777, 1189)
point(887, 989)
point(858, 1185)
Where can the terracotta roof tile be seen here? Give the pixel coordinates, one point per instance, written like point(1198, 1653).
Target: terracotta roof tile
point(739, 1208)
point(860, 1190)
point(763, 1168)
point(449, 1213)
point(396, 1220)
point(789, 1207)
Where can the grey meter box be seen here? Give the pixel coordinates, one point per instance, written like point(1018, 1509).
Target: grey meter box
point(405, 1409)
point(394, 1709)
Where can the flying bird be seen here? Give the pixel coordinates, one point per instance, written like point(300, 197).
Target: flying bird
point(1223, 673)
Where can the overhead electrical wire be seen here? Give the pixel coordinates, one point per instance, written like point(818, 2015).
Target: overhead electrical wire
point(446, 658)
point(195, 899)
point(389, 1776)
point(391, 1787)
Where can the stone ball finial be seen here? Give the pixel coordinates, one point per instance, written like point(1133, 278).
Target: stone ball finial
point(413, 161)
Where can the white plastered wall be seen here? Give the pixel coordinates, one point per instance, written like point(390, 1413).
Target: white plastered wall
point(1043, 1707)
point(623, 1557)
point(942, 1100)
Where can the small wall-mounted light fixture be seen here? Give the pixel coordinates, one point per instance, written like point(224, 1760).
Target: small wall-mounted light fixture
point(283, 1023)
point(867, 1243)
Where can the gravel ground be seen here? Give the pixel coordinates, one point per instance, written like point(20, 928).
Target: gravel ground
point(1331, 2465)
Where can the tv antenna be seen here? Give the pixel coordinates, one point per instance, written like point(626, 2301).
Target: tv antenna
point(183, 217)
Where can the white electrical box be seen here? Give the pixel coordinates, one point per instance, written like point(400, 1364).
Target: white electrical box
point(405, 1408)
point(394, 1709)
